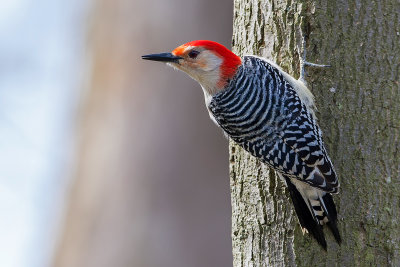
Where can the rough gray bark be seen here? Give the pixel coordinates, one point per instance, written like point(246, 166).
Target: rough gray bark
point(358, 101)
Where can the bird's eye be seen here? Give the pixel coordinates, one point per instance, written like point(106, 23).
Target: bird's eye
point(193, 53)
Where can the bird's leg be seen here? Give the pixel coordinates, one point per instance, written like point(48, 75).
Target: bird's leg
point(304, 63)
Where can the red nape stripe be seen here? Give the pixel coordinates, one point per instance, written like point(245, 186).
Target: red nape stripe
point(230, 60)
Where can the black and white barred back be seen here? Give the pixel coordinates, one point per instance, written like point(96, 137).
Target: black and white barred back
point(262, 112)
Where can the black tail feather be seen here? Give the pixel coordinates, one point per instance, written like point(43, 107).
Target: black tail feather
point(306, 219)
point(332, 217)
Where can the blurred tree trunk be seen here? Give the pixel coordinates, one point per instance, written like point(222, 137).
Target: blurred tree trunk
point(358, 101)
point(138, 193)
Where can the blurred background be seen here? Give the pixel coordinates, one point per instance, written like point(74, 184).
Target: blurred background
point(106, 159)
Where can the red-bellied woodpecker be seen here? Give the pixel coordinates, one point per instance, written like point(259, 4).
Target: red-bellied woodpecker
point(271, 115)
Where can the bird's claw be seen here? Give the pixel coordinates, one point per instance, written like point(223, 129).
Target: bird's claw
point(304, 63)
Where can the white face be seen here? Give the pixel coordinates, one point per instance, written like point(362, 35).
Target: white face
point(202, 65)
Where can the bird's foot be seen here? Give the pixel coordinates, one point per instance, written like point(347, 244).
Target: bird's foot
point(304, 63)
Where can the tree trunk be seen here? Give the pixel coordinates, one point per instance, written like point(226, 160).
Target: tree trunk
point(140, 195)
point(358, 110)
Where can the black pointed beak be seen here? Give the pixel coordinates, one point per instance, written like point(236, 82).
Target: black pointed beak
point(163, 57)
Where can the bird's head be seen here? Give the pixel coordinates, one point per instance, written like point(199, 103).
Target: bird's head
point(208, 62)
